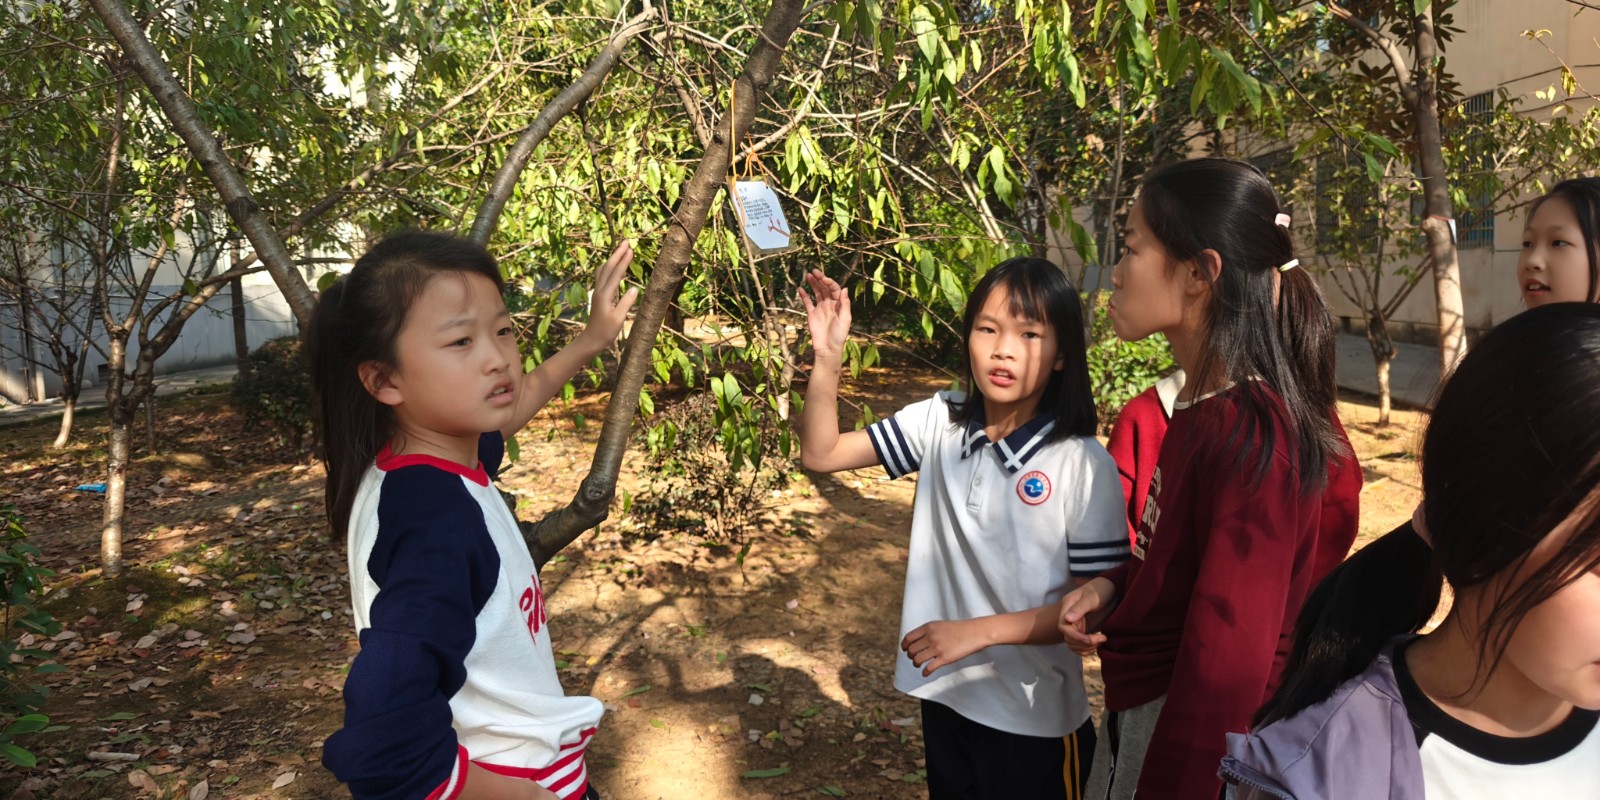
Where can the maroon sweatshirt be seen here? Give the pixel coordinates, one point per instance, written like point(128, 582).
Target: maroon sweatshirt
point(1222, 563)
point(1135, 443)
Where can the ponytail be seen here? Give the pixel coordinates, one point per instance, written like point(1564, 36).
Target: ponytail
point(1309, 336)
point(356, 322)
point(1390, 587)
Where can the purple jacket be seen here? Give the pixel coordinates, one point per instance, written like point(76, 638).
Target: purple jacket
point(1356, 744)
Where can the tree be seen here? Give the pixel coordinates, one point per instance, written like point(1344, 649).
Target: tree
point(903, 142)
point(1424, 25)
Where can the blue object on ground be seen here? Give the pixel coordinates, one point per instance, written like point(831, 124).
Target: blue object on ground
point(92, 487)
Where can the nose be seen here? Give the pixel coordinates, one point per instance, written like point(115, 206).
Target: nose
point(1116, 273)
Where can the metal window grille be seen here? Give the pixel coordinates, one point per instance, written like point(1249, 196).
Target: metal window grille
point(1475, 222)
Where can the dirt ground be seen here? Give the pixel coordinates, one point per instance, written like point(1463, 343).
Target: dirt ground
point(213, 665)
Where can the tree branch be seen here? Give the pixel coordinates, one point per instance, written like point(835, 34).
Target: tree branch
point(180, 111)
point(1402, 70)
point(592, 503)
point(505, 181)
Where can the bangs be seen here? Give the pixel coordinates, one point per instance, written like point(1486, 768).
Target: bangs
point(1025, 297)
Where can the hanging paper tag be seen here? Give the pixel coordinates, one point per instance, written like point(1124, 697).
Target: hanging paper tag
point(762, 216)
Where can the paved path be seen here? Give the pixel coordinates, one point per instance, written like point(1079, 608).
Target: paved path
point(95, 396)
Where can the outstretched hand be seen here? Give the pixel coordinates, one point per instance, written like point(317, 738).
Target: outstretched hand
point(943, 642)
point(828, 315)
point(607, 312)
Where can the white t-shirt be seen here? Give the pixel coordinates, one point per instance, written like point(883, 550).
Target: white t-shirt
point(994, 530)
point(1460, 762)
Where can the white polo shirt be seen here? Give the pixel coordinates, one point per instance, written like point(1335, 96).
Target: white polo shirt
point(996, 530)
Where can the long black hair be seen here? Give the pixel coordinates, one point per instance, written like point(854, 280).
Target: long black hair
point(1038, 291)
point(1512, 451)
point(1250, 337)
point(1583, 195)
point(357, 321)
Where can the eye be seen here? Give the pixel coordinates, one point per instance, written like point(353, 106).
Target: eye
point(1030, 334)
point(1560, 243)
point(984, 329)
point(462, 342)
point(506, 331)
point(1526, 244)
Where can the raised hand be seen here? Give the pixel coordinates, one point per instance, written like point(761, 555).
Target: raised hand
point(941, 643)
point(607, 312)
point(828, 315)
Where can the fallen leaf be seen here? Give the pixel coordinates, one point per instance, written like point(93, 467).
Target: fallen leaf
point(285, 779)
point(200, 790)
point(142, 781)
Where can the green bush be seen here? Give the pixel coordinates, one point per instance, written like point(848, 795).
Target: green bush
point(275, 391)
point(1118, 370)
point(21, 583)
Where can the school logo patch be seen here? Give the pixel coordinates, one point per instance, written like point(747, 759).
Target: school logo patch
point(1034, 488)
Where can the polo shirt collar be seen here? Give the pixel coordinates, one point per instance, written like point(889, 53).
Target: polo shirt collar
point(1015, 449)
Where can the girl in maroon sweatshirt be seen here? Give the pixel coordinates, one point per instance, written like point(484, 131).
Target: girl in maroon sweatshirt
point(1254, 493)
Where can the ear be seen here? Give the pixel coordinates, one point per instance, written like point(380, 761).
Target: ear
point(375, 378)
point(1202, 272)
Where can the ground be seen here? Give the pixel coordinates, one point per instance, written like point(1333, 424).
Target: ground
point(213, 665)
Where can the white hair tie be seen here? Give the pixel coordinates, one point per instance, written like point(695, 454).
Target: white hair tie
point(1290, 264)
point(1282, 221)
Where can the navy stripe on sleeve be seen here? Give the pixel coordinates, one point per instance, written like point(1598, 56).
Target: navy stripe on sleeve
point(891, 446)
point(1093, 558)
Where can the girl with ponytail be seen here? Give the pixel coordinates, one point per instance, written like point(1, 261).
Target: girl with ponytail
point(1503, 699)
point(418, 384)
point(1255, 489)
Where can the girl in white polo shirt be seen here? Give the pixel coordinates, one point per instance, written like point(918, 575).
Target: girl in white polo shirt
point(1017, 503)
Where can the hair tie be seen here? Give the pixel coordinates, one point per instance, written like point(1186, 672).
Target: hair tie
point(1282, 220)
point(1290, 264)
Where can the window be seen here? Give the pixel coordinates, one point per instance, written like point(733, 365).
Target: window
point(1475, 220)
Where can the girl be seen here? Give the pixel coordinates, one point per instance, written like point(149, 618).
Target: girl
point(1559, 260)
point(1254, 493)
point(419, 383)
point(1499, 701)
point(1016, 502)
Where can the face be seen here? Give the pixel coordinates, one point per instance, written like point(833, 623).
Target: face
point(1557, 645)
point(1148, 295)
point(1554, 265)
point(1012, 358)
point(457, 363)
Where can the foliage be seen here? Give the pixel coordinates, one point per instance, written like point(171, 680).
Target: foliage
point(1118, 370)
point(21, 584)
point(274, 390)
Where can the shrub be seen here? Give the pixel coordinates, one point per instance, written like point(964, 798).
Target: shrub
point(275, 391)
point(21, 583)
point(714, 461)
point(1118, 370)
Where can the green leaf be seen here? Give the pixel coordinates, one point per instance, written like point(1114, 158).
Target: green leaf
point(831, 791)
point(765, 773)
point(26, 724)
point(120, 716)
point(190, 288)
point(17, 755)
point(1139, 9)
point(1419, 6)
point(327, 281)
point(637, 690)
point(646, 403)
point(513, 450)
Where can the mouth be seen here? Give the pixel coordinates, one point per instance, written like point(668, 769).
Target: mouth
point(501, 393)
point(1531, 286)
point(1002, 377)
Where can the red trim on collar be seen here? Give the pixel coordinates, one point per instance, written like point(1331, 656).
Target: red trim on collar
point(388, 461)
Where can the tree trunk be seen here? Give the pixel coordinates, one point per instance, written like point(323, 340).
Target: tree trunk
point(592, 503)
point(117, 452)
point(150, 423)
point(241, 342)
point(69, 405)
point(1436, 198)
point(1382, 345)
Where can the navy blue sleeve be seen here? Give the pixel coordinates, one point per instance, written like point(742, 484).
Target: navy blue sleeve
point(435, 567)
point(492, 453)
